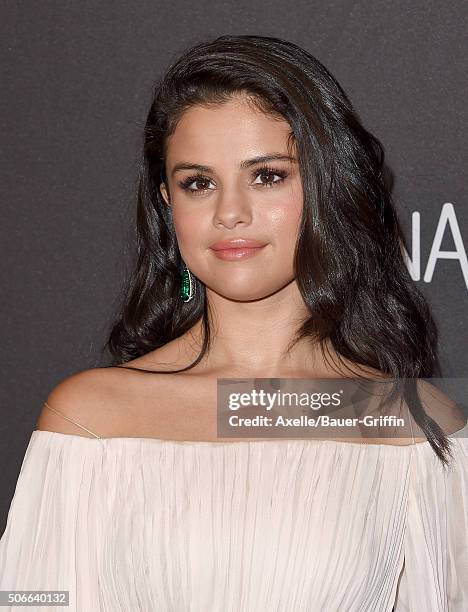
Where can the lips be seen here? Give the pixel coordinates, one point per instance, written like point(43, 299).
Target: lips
point(237, 243)
point(237, 249)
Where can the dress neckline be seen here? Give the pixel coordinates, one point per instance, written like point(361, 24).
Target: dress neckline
point(223, 443)
point(461, 433)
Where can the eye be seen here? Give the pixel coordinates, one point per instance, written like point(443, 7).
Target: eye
point(190, 180)
point(264, 171)
point(270, 173)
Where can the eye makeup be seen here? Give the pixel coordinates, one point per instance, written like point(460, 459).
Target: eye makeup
point(264, 170)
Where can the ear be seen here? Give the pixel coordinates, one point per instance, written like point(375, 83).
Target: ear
point(162, 188)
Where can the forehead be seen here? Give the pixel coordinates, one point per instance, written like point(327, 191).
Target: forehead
point(227, 132)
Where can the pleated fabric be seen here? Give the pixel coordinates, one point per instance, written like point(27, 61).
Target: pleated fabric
point(142, 524)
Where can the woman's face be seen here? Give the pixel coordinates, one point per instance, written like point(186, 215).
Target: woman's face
point(228, 200)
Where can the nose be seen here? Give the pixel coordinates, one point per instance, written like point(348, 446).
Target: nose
point(232, 208)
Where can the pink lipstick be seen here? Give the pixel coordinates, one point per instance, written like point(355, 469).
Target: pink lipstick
point(238, 248)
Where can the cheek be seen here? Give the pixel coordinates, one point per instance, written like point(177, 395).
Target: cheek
point(282, 222)
point(188, 227)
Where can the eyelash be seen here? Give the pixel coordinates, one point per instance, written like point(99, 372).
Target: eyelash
point(268, 170)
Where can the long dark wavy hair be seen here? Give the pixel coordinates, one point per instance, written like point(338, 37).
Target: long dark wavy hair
point(349, 263)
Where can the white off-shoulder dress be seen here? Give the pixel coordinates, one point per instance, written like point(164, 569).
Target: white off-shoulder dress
point(145, 524)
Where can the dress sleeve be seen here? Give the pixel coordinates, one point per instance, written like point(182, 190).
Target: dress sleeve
point(434, 577)
point(54, 522)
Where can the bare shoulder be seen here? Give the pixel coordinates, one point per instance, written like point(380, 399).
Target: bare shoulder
point(440, 407)
point(108, 402)
point(437, 404)
point(88, 400)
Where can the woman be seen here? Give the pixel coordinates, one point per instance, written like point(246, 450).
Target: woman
point(127, 498)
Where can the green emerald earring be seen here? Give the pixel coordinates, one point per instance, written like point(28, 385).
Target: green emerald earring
point(188, 285)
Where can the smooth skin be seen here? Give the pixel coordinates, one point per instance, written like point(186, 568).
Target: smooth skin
point(256, 301)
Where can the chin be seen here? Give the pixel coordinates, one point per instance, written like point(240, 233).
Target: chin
point(246, 295)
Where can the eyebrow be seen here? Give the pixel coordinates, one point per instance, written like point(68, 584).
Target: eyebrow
point(247, 163)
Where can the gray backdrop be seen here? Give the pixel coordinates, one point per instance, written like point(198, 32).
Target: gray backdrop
point(77, 81)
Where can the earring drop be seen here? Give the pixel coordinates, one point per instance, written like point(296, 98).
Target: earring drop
point(188, 285)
